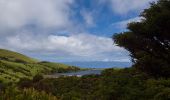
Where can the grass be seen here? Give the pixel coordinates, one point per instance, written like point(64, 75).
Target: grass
point(14, 56)
point(14, 66)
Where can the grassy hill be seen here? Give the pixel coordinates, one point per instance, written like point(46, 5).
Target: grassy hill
point(14, 66)
point(14, 56)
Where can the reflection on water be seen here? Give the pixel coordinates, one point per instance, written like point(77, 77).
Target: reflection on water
point(79, 73)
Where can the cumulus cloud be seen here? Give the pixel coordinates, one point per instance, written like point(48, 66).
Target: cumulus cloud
point(125, 6)
point(80, 44)
point(84, 46)
point(15, 14)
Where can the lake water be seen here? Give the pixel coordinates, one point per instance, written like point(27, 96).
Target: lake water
point(80, 73)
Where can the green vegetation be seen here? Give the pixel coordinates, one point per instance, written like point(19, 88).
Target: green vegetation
point(123, 84)
point(13, 93)
point(15, 57)
point(14, 66)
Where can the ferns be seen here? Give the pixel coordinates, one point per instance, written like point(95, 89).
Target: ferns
point(12, 93)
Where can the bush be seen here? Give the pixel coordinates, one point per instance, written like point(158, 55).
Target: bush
point(37, 78)
point(24, 83)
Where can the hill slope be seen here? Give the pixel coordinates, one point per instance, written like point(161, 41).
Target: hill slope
point(14, 56)
point(14, 66)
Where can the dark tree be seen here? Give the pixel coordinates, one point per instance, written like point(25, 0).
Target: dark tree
point(148, 41)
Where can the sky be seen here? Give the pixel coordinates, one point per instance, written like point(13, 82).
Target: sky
point(67, 30)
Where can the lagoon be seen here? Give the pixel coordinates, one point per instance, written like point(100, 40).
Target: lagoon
point(81, 73)
point(78, 73)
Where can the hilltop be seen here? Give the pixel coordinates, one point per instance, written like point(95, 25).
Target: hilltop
point(14, 56)
point(14, 66)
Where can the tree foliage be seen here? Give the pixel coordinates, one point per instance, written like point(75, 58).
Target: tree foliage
point(148, 41)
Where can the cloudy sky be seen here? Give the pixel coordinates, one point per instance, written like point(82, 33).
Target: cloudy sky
point(67, 30)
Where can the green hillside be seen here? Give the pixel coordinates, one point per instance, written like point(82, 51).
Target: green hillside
point(14, 66)
point(14, 56)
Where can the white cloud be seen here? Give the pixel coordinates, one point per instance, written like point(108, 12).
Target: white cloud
point(80, 44)
point(83, 45)
point(88, 18)
point(125, 6)
point(16, 14)
point(122, 25)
